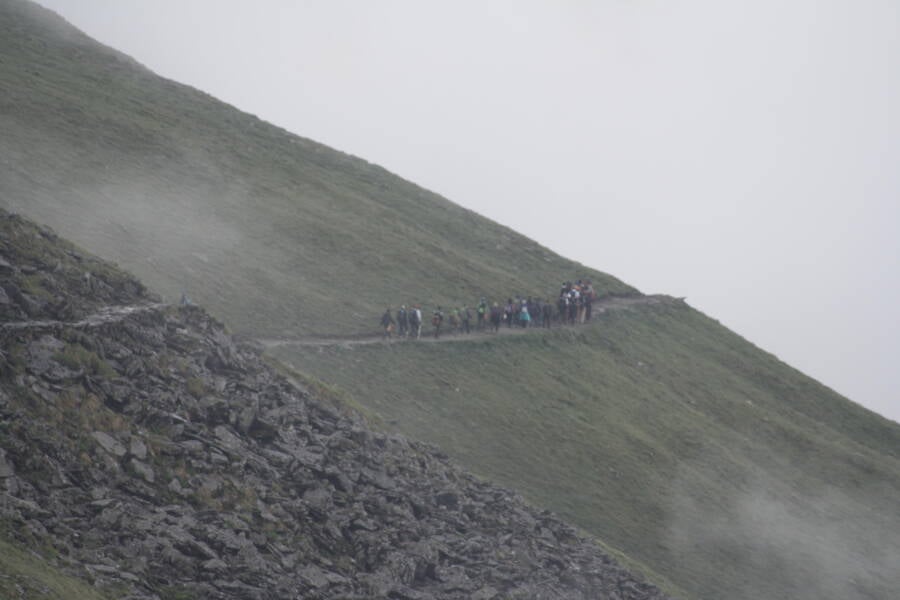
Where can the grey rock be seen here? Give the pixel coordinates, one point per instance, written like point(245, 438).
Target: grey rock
point(6, 267)
point(176, 487)
point(449, 500)
point(339, 479)
point(42, 354)
point(6, 467)
point(215, 564)
point(485, 593)
point(229, 441)
point(144, 470)
point(137, 448)
point(320, 578)
point(263, 431)
point(194, 447)
point(214, 410)
point(246, 418)
point(109, 443)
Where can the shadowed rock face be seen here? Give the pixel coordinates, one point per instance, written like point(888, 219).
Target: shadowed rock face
point(151, 452)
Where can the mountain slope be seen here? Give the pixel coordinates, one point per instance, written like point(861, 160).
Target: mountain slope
point(658, 430)
point(272, 231)
point(144, 451)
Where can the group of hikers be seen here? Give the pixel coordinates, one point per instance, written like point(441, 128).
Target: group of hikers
point(573, 305)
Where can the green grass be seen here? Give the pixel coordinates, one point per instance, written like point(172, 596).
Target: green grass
point(272, 232)
point(27, 576)
point(664, 434)
point(78, 357)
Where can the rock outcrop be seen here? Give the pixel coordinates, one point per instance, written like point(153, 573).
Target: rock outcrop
point(149, 453)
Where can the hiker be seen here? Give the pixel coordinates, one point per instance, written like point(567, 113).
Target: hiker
point(465, 317)
point(524, 316)
point(548, 314)
point(481, 311)
point(402, 322)
point(588, 295)
point(454, 320)
point(496, 316)
point(508, 312)
point(574, 302)
point(387, 322)
point(534, 311)
point(436, 319)
point(579, 286)
point(562, 306)
point(415, 321)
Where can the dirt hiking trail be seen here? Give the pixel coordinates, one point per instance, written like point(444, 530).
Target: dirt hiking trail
point(113, 314)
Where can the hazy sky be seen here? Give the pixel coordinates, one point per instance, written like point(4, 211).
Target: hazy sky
point(743, 154)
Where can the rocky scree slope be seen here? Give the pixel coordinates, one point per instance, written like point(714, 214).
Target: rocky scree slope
point(150, 454)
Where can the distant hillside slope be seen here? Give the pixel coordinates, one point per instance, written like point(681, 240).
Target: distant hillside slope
point(272, 231)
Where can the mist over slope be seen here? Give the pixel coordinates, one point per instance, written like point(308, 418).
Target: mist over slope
point(273, 232)
point(657, 429)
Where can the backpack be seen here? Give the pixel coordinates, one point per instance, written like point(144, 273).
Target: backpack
point(436, 320)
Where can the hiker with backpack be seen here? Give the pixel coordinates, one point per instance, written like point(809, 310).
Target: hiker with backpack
point(508, 312)
point(482, 312)
point(436, 319)
point(465, 316)
point(496, 317)
point(387, 322)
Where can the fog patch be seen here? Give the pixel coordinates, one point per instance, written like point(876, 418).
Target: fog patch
point(788, 540)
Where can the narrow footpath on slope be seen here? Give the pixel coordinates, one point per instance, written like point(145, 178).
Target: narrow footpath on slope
point(600, 306)
point(111, 314)
point(108, 314)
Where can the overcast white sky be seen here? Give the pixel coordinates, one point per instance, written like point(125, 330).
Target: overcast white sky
point(743, 154)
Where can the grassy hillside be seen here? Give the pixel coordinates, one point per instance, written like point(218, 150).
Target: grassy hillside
point(26, 576)
point(271, 231)
point(658, 430)
point(670, 436)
